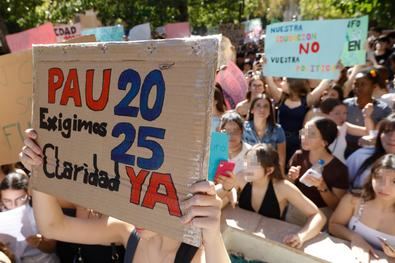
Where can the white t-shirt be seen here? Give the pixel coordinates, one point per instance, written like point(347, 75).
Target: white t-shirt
point(239, 159)
point(338, 147)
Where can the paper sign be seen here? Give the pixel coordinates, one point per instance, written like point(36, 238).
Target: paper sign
point(177, 30)
point(15, 103)
point(117, 131)
point(15, 226)
point(219, 151)
point(252, 30)
point(140, 32)
point(43, 34)
point(305, 49)
point(66, 32)
point(108, 33)
point(233, 83)
point(354, 52)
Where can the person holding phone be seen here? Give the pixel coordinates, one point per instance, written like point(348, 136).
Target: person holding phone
point(368, 221)
point(204, 211)
point(264, 190)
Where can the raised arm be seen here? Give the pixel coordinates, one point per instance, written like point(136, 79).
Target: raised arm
point(274, 91)
point(315, 94)
point(349, 83)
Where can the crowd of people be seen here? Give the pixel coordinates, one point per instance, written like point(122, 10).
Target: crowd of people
point(282, 130)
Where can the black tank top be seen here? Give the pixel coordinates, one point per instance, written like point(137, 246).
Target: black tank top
point(185, 252)
point(269, 206)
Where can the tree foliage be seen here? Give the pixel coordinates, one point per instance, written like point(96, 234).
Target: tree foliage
point(23, 14)
point(381, 12)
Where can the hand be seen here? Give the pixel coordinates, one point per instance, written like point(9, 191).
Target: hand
point(31, 154)
point(362, 250)
point(367, 110)
point(293, 240)
point(319, 183)
point(294, 172)
point(389, 251)
point(228, 181)
point(203, 210)
point(35, 240)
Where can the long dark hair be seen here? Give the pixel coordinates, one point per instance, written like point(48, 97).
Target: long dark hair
point(17, 180)
point(270, 119)
point(231, 116)
point(267, 157)
point(385, 162)
point(298, 86)
point(328, 130)
point(219, 98)
point(385, 125)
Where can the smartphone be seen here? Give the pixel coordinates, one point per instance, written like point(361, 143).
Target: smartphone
point(384, 240)
point(224, 167)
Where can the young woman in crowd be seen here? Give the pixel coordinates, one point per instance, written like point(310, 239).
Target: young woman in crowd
point(365, 83)
point(356, 218)
point(219, 107)
point(293, 107)
point(326, 191)
point(232, 124)
point(256, 86)
point(360, 162)
point(261, 127)
point(337, 111)
point(13, 192)
point(203, 212)
point(265, 191)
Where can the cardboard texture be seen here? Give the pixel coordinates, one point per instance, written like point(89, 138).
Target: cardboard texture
point(148, 140)
point(16, 100)
point(15, 103)
point(43, 34)
point(89, 19)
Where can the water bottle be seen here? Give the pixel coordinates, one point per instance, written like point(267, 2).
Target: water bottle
point(315, 171)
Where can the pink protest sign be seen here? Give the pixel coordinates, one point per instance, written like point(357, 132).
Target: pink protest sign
point(233, 83)
point(43, 34)
point(176, 30)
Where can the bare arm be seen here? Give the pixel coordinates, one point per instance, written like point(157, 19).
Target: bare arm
point(55, 225)
point(315, 94)
point(348, 84)
point(274, 91)
point(316, 220)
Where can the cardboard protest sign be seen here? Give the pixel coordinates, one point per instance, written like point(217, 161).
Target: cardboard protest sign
point(176, 30)
point(252, 30)
point(16, 100)
point(108, 33)
point(15, 103)
point(140, 32)
point(43, 34)
point(65, 32)
point(233, 83)
point(15, 226)
point(354, 52)
point(125, 126)
point(305, 49)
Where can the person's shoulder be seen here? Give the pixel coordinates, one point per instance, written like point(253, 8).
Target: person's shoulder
point(350, 101)
point(382, 105)
point(364, 151)
point(277, 126)
point(338, 165)
point(351, 199)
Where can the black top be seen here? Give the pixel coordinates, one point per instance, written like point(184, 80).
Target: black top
point(269, 206)
point(185, 252)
